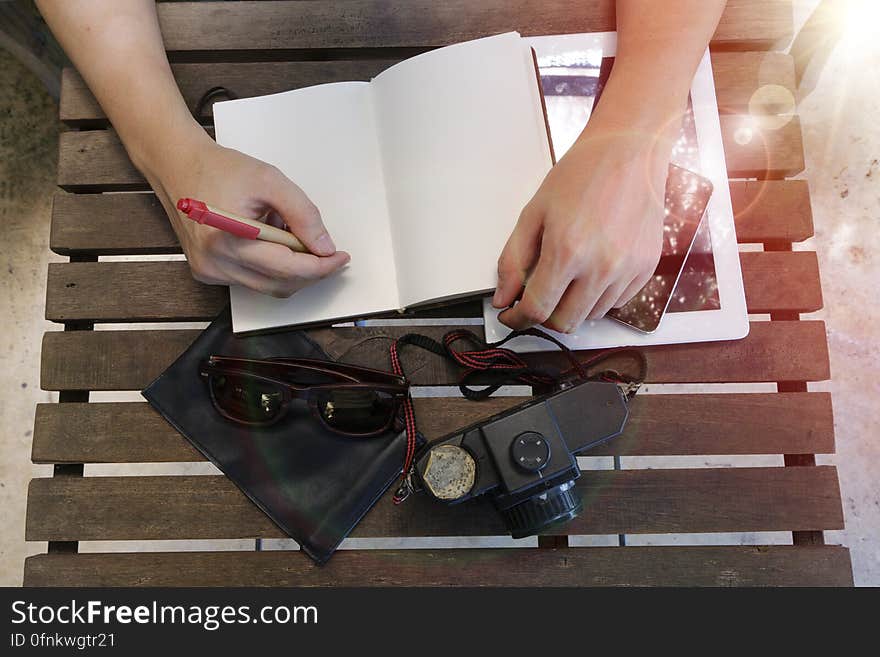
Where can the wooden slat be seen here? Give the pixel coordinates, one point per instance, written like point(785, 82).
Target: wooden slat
point(108, 360)
point(777, 280)
point(157, 290)
point(130, 360)
point(165, 291)
point(114, 432)
point(737, 76)
point(110, 224)
point(152, 290)
point(115, 224)
point(751, 152)
point(754, 25)
point(94, 160)
point(616, 502)
point(308, 25)
point(779, 565)
point(777, 423)
point(770, 210)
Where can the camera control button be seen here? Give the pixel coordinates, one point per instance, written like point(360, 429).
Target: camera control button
point(530, 451)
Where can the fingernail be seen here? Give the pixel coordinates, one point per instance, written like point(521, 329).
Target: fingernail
point(496, 300)
point(325, 243)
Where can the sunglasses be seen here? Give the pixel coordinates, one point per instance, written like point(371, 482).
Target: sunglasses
point(353, 401)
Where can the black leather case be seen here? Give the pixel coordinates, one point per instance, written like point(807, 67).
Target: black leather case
point(314, 484)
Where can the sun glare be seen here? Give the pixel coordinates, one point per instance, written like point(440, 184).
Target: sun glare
point(859, 20)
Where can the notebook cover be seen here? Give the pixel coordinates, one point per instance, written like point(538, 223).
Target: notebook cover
point(543, 105)
point(313, 483)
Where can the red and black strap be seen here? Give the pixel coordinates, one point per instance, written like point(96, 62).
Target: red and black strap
point(496, 366)
point(409, 416)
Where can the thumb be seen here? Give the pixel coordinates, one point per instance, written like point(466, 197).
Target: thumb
point(518, 256)
point(299, 213)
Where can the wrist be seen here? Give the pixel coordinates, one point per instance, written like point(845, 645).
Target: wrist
point(638, 119)
point(160, 155)
point(627, 108)
point(170, 165)
point(645, 95)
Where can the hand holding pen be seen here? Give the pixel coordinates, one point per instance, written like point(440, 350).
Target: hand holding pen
point(232, 183)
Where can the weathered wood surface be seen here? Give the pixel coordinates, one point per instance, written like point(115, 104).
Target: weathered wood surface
point(779, 565)
point(130, 360)
point(616, 502)
point(771, 210)
point(775, 423)
point(217, 30)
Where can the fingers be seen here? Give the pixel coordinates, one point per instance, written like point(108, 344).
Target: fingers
point(298, 212)
point(633, 289)
point(543, 292)
point(274, 219)
point(277, 287)
point(605, 302)
point(572, 307)
point(517, 257)
point(264, 284)
point(583, 300)
point(280, 263)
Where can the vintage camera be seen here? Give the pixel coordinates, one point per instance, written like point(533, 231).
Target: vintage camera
point(524, 458)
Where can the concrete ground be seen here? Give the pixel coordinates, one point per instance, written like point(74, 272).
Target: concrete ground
point(842, 148)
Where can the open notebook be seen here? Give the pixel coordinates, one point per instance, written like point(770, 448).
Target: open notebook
point(420, 174)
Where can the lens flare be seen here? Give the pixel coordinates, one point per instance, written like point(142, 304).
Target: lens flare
point(744, 135)
point(858, 20)
point(772, 106)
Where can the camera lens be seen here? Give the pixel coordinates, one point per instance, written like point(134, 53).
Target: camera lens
point(551, 507)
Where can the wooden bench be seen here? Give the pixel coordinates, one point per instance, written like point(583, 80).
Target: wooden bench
point(262, 47)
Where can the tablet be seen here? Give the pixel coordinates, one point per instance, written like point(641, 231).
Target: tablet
point(708, 302)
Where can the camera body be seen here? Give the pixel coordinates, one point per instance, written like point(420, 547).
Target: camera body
point(524, 459)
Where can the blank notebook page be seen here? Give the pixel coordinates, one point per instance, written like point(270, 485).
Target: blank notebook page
point(464, 148)
point(324, 139)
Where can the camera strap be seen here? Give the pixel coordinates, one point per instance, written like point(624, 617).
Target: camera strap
point(492, 366)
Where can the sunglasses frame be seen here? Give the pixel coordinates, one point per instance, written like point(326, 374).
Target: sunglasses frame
point(352, 377)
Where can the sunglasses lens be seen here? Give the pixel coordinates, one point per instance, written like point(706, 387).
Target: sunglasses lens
point(246, 398)
point(355, 410)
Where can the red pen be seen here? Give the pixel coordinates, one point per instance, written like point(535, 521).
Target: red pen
point(250, 229)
